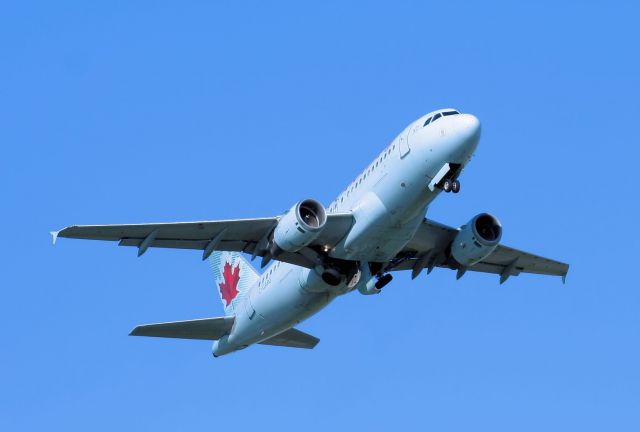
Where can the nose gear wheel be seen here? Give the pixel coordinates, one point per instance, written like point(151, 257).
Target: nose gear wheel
point(451, 186)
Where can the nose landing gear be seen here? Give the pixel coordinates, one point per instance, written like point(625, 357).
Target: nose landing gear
point(451, 186)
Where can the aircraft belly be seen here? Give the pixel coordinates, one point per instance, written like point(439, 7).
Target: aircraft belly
point(371, 217)
point(279, 307)
point(384, 223)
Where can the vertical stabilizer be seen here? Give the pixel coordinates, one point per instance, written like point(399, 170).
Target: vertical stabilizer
point(233, 277)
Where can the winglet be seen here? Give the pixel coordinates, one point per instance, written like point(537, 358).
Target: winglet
point(54, 236)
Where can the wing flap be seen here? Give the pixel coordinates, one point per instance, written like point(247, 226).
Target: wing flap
point(230, 246)
point(204, 329)
point(293, 338)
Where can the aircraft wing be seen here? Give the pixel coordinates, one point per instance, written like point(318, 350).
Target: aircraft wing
point(427, 250)
point(240, 235)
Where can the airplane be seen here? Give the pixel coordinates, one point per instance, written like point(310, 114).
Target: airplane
point(375, 227)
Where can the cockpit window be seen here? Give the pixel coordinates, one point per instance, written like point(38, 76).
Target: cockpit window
point(437, 116)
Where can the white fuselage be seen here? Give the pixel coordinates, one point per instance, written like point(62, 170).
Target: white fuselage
point(388, 200)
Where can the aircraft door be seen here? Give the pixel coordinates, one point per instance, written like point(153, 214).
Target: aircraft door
point(251, 312)
point(249, 304)
point(403, 142)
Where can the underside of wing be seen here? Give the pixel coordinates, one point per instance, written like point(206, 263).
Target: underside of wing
point(251, 236)
point(205, 329)
point(431, 246)
point(181, 235)
point(520, 261)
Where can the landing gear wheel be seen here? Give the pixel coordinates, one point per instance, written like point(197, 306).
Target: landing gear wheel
point(447, 185)
point(383, 281)
point(331, 276)
point(455, 186)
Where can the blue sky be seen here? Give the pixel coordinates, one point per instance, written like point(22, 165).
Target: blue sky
point(116, 112)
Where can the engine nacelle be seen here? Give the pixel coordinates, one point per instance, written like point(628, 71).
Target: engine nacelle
point(301, 225)
point(476, 240)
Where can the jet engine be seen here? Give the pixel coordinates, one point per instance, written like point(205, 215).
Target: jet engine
point(476, 240)
point(298, 227)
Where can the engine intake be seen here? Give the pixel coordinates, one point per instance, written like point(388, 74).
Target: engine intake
point(298, 227)
point(476, 240)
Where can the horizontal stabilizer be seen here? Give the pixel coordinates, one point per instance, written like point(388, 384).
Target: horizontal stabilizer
point(293, 338)
point(206, 329)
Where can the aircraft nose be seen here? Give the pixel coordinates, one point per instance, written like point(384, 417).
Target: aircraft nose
point(468, 128)
point(468, 134)
point(465, 134)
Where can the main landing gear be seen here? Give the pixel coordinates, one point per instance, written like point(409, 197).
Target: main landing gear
point(383, 281)
point(451, 186)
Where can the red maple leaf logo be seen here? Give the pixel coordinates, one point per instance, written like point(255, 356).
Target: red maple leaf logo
point(228, 288)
